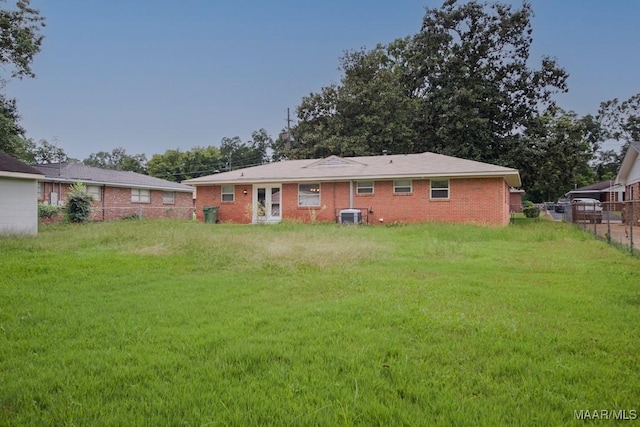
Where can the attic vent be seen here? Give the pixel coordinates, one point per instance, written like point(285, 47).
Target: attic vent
point(333, 162)
point(350, 216)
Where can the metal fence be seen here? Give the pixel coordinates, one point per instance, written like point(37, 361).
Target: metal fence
point(618, 223)
point(130, 212)
point(141, 212)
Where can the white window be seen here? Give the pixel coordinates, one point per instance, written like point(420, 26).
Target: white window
point(168, 197)
point(94, 192)
point(309, 195)
point(439, 188)
point(365, 187)
point(40, 190)
point(402, 186)
point(228, 193)
point(139, 195)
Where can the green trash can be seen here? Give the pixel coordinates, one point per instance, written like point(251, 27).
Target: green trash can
point(210, 214)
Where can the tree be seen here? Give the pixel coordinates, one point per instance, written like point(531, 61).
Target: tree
point(20, 41)
point(78, 207)
point(47, 152)
point(241, 155)
point(117, 159)
point(462, 86)
point(620, 121)
point(175, 165)
point(606, 165)
point(553, 156)
point(373, 110)
point(471, 63)
point(20, 38)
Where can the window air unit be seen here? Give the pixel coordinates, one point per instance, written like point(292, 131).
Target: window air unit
point(350, 216)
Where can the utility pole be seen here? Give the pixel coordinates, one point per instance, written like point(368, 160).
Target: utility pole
point(288, 130)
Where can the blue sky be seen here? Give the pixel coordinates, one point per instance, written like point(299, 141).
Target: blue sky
point(152, 75)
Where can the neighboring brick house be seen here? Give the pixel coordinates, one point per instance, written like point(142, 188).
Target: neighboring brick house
point(629, 177)
point(515, 203)
point(116, 194)
point(607, 192)
point(18, 214)
point(383, 189)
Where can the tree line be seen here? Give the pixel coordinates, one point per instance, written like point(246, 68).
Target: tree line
point(464, 85)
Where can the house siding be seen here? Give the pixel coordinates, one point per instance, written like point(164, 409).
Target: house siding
point(116, 203)
point(480, 201)
point(18, 213)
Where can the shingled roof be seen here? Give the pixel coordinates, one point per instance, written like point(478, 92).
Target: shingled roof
point(334, 168)
point(14, 167)
point(73, 172)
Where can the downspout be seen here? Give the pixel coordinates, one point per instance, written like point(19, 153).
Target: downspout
point(351, 194)
point(103, 205)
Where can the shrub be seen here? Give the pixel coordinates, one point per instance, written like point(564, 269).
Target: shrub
point(530, 210)
point(78, 207)
point(48, 211)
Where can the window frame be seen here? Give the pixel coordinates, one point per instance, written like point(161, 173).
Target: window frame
point(95, 192)
point(397, 186)
point(439, 189)
point(227, 193)
point(40, 190)
point(137, 195)
point(359, 188)
point(169, 202)
point(309, 196)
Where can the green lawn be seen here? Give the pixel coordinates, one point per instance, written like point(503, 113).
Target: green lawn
point(178, 323)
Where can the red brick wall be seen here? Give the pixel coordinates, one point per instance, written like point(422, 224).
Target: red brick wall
point(116, 203)
point(238, 211)
point(481, 201)
point(515, 201)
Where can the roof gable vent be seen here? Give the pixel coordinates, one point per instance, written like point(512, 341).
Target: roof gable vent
point(333, 161)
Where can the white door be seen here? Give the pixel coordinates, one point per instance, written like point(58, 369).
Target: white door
point(266, 203)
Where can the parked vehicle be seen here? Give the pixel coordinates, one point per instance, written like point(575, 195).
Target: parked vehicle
point(561, 205)
point(585, 209)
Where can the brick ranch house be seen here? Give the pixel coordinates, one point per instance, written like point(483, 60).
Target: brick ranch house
point(116, 194)
point(384, 189)
point(629, 177)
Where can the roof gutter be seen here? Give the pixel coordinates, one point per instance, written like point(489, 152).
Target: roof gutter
point(114, 184)
point(513, 179)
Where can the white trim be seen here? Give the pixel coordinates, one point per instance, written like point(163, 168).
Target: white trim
point(21, 175)
point(268, 218)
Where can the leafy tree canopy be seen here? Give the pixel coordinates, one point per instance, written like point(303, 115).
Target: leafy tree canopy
point(465, 85)
point(176, 165)
point(620, 121)
point(20, 41)
point(117, 159)
point(461, 86)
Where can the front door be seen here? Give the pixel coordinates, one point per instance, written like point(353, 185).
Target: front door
point(266, 203)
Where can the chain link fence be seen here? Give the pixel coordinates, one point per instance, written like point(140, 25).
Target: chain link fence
point(141, 212)
point(616, 222)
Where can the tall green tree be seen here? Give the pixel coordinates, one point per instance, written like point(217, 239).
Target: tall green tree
point(20, 41)
point(177, 165)
point(371, 111)
point(620, 121)
point(471, 62)
point(553, 155)
point(117, 159)
point(239, 154)
point(47, 152)
point(461, 86)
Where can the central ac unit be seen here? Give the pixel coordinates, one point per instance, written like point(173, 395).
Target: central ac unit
point(350, 216)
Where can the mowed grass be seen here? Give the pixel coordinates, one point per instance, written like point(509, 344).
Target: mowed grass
point(178, 323)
